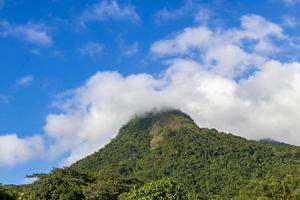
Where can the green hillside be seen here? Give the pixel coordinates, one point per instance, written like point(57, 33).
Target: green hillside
point(204, 163)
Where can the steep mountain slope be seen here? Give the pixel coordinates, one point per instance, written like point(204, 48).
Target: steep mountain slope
point(207, 163)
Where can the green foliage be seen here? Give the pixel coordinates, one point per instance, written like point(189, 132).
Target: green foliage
point(8, 193)
point(164, 189)
point(208, 164)
point(68, 184)
point(286, 187)
point(107, 188)
point(61, 184)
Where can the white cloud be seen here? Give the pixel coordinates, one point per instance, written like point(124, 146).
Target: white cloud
point(108, 10)
point(97, 116)
point(14, 150)
point(92, 49)
point(27, 181)
point(224, 51)
point(189, 39)
point(32, 33)
point(253, 27)
point(25, 80)
point(257, 28)
point(230, 60)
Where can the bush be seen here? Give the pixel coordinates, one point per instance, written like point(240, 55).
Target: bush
point(165, 188)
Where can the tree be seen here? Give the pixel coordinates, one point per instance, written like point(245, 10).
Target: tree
point(61, 184)
point(109, 187)
point(7, 194)
point(286, 187)
point(165, 188)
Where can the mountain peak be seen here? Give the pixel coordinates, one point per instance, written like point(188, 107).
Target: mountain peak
point(159, 124)
point(166, 117)
point(161, 113)
point(166, 122)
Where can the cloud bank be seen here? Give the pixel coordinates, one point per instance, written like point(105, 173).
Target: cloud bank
point(263, 106)
point(225, 79)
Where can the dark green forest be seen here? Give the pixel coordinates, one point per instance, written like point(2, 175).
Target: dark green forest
point(165, 155)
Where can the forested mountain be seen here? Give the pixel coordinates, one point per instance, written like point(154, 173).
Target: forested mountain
point(165, 154)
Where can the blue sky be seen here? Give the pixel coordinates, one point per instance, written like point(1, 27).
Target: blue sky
point(49, 48)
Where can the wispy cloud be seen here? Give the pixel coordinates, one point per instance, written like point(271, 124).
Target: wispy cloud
point(127, 50)
point(166, 14)
point(203, 15)
point(34, 33)
point(289, 21)
point(5, 98)
point(290, 2)
point(91, 49)
point(190, 8)
point(25, 80)
point(108, 10)
point(130, 50)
